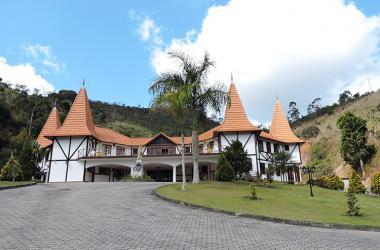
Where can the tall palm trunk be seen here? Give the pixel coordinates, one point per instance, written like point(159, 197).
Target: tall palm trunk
point(183, 161)
point(362, 168)
point(195, 149)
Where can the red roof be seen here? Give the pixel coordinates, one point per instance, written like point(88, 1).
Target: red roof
point(79, 120)
point(280, 128)
point(51, 126)
point(235, 118)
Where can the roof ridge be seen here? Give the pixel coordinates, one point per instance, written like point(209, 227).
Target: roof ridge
point(51, 125)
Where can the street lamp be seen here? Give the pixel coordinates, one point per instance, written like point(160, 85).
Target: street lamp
point(310, 171)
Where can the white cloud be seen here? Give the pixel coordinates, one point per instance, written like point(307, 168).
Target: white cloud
point(148, 30)
point(24, 74)
point(298, 49)
point(44, 55)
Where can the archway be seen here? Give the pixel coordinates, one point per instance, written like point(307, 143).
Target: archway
point(160, 172)
point(206, 171)
point(106, 172)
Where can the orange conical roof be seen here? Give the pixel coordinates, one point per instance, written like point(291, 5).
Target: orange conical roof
point(79, 120)
point(51, 126)
point(235, 118)
point(280, 128)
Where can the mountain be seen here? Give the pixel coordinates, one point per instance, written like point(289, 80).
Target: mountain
point(17, 105)
point(322, 134)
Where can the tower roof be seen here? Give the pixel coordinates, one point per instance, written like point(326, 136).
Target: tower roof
point(79, 120)
point(280, 128)
point(51, 126)
point(235, 118)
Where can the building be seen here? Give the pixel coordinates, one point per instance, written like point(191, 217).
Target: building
point(79, 150)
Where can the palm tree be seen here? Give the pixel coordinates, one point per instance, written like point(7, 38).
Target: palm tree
point(200, 95)
point(174, 103)
point(280, 159)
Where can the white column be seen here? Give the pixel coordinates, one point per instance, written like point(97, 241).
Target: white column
point(174, 174)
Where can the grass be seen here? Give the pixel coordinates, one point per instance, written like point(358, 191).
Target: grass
point(11, 183)
point(284, 201)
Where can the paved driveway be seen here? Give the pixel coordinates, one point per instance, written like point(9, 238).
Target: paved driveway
point(128, 216)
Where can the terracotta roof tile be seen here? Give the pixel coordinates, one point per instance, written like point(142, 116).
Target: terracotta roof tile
point(235, 118)
point(280, 128)
point(51, 126)
point(208, 134)
point(108, 135)
point(177, 139)
point(265, 135)
point(79, 120)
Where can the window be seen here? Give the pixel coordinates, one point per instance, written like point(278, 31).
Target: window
point(187, 149)
point(276, 147)
point(135, 151)
point(107, 149)
point(269, 149)
point(262, 168)
point(286, 147)
point(200, 148)
point(164, 151)
point(210, 145)
point(104, 171)
point(120, 150)
point(261, 146)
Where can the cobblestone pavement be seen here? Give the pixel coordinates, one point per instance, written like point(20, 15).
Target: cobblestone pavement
point(128, 216)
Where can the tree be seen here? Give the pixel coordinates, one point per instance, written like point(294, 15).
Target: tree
point(28, 153)
point(200, 95)
point(344, 97)
point(238, 158)
point(11, 170)
point(175, 103)
point(353, 141)
point(355, 183)
point(293, 113)
point(224, 170)
point(314, 106)
point(375, 184)
point(352, 203)
point(280, 160)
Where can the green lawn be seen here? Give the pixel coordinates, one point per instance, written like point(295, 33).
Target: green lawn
point(10, 183)
point(284, 201)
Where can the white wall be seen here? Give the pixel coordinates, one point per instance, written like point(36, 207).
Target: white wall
point(57, 171)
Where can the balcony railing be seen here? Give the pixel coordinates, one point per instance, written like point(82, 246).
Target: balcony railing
point(149, 150)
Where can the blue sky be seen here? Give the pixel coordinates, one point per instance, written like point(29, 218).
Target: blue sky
point(65, 41)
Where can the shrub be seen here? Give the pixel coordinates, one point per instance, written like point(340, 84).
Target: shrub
point(12, 170)
point(355, 183)
point(252, 190)
point(375, 184)
point(263, 183)
point(144, 178)
point(352, 203)
point(291, 182)
point(310, 132)
point(335, 183)
point(329, 182)
point(224, 170)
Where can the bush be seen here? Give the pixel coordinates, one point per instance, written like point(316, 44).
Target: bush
point(375, 184)
point(12, 170)
point(252, 190)
point(291, 182)
point(224, 170)
point(263, 183)
point(310, 132)
point(330, 182)
point(335, 183)
point(144, 178)
point(355, 183)
point(352, 203)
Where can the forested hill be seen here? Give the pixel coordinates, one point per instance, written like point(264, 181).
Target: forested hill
point(17, 105)
point(322, 134)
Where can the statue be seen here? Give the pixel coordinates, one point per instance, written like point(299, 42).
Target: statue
point(138, 169)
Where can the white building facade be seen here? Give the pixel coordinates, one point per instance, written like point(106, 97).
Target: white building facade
point(78, 150)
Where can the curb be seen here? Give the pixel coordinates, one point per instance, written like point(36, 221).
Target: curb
point(271, 219)
point(17, 186)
